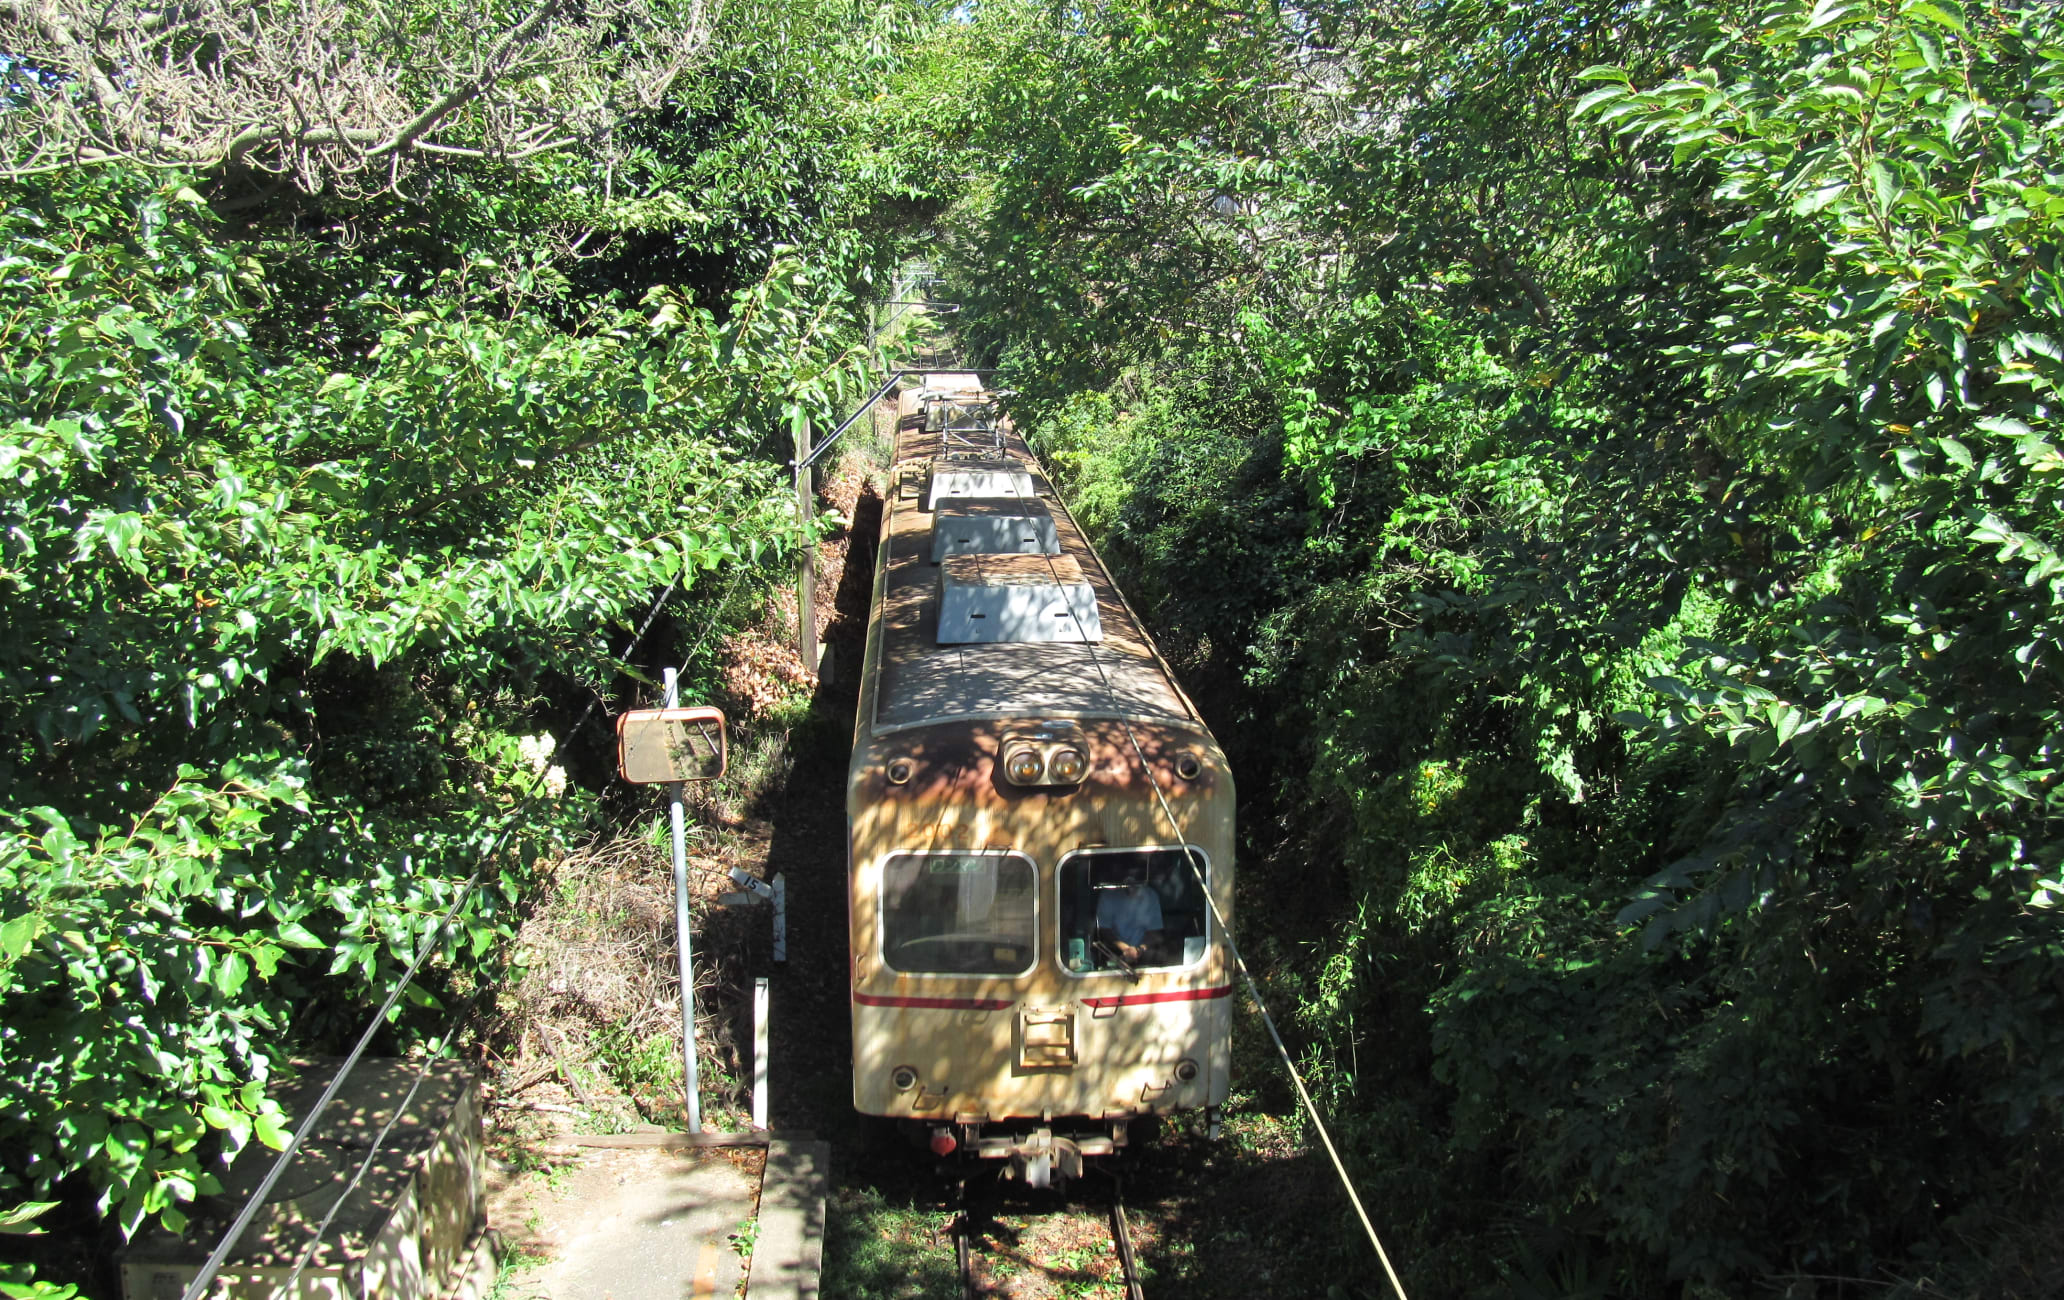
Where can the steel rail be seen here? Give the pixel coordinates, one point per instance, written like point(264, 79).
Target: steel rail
point(1121, 1238)
point(1115, 1222)
point(964, 1244)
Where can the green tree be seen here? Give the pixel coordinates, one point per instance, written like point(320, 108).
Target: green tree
point(312, 508)
point(1626, 494)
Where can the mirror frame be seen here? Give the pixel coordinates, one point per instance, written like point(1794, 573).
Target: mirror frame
point(643, 754)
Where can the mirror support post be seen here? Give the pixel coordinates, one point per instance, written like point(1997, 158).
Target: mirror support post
point(759, 1053)
point(691, 1085)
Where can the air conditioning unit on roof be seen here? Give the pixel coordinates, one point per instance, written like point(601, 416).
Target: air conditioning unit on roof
point(974, 480)
point(988, 599)
point(961, 526)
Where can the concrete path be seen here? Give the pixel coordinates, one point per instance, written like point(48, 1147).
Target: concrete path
point(790, 1253)
point(629, 1224)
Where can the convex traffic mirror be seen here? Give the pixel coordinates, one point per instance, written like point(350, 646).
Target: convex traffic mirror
point(660, 745)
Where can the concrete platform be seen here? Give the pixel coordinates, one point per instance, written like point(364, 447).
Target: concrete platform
point(630, 1223)
point(790, 1253)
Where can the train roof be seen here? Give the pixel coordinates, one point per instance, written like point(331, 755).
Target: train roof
point(920, 682)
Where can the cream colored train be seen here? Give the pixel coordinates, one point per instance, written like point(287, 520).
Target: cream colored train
point(1035, 814)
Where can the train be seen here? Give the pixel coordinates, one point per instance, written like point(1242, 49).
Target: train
point(1040, 824)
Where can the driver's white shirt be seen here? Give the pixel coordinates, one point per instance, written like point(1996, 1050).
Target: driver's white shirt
point(1129, 913)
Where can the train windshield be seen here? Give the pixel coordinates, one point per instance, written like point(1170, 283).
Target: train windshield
point(958, 913)
point(1132, 909)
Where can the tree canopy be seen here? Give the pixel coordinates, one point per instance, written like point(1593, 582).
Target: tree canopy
point(1595, 464)
point(1598, 463)
point(319, 503)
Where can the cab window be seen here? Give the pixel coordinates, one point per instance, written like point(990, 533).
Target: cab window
point(958, 913)
point(1132, 909)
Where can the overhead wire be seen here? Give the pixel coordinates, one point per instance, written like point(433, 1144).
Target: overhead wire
point(1225, 930)
point(1254, 992)
point(322, 1227)
point(220, 1255)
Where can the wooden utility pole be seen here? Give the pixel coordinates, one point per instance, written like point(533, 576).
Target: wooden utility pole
point(806, 557)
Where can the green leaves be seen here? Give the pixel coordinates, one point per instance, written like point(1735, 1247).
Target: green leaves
point(19, 1282)
point(1615, 510)
point(300, 534)
point(20, 1220)
point(17, 933)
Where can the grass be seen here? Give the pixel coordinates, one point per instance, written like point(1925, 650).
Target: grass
point(746, 1237)
point(879, 1249)
point(645, 1068)
point(514, 1265)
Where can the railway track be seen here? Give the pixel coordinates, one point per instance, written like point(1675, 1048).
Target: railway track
point(1080, 1242)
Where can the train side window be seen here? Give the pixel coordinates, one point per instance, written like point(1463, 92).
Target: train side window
point(959, 913)
point(1132, 910)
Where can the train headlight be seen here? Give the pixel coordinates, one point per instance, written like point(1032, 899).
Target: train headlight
point(903, 1077)
point(1053, 752)
point(1188, 767)
point(899, 771)
point(1186, 1070)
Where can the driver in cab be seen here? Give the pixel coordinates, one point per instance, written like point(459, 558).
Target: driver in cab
point(1128, 914)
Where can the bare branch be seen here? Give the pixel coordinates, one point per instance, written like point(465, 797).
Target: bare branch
point(341, 96)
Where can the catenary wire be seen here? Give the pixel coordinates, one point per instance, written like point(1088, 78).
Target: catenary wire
point(206, 1277)
point(322, 1227)
point(307, 1254)
point(1240, 964)
point(444, 1045)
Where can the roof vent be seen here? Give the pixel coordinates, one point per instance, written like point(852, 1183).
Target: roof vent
point(979, 479)
point(964, 527)
point(988, 599)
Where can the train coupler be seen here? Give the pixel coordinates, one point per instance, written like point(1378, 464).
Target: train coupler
point(1040, 1157)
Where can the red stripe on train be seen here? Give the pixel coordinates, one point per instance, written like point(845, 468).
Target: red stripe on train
point(1173, 995)
point(933, 1004)
point(991, 1004)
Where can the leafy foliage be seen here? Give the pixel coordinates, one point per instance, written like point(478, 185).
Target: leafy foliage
point(1598, 465)
point(310, 521)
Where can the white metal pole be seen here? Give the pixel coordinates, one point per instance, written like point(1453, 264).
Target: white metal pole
point(690, 1084)
point(759, 1052)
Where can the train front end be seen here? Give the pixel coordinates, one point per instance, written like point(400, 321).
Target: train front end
point(1036, 962)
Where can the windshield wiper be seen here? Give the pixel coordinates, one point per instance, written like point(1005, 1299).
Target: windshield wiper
point(1108, 951)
